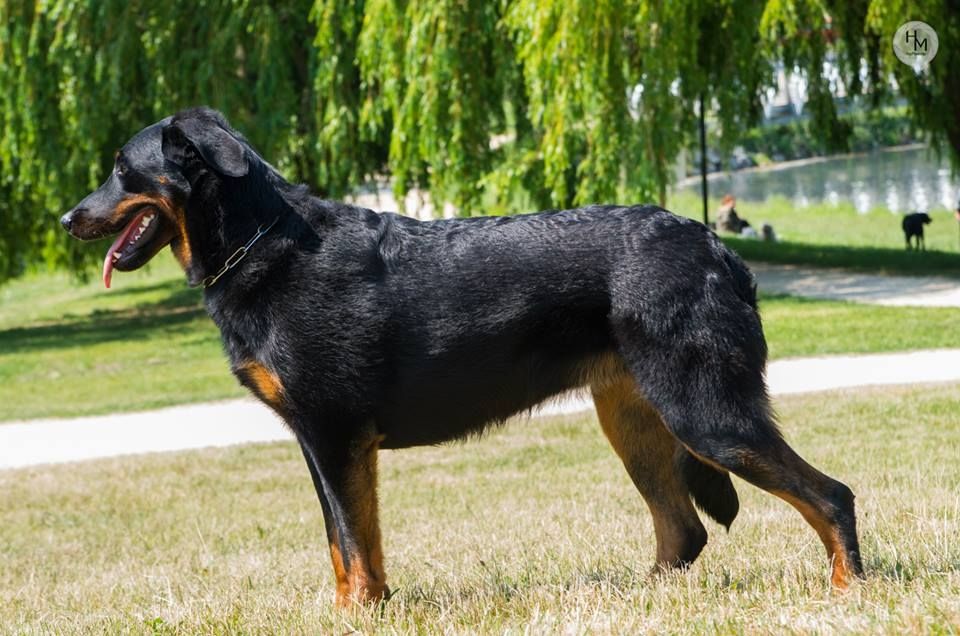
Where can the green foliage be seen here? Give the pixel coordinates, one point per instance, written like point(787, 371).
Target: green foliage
point(342, 154)
point(488, 104)
point(79, 77)
point(337, 91)
point(800, 31)
point(934, 94)
point(859, 34)
point(870, 128)
point(881, 128)
point(436, 66)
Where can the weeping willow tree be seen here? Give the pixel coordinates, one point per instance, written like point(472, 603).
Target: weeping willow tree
point(934, 94)
point(490, 105)
point(857, 35)
point(79, 77)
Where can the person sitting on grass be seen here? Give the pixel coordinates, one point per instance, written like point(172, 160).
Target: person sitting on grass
point(729, 221)
point(727, 218)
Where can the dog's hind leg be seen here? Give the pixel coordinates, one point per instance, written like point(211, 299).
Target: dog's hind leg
point(650, 453)
point(717, 406)
point(345, 478)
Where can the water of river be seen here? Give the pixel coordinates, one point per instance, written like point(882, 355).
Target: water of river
point(901, 180)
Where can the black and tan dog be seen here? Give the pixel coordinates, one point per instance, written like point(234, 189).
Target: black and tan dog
point(367, 331)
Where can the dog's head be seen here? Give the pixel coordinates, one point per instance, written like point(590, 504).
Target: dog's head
point(143, 202)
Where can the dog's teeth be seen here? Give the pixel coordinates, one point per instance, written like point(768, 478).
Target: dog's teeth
point(116, 256)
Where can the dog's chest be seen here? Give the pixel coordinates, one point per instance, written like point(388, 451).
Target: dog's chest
point(264, 382)
point(248, 346)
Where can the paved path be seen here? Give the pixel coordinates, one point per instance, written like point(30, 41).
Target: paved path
point(243, 421)
point(836, 284)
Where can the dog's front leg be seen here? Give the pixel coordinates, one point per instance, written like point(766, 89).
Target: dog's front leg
point(345, 477)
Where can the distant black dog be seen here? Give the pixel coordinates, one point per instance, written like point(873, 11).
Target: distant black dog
point(366, 331)
point(913, 227)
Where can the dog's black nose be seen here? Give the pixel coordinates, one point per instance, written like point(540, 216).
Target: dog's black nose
point(67, 220)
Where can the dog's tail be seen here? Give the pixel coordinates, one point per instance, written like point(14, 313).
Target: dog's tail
point(711, 489)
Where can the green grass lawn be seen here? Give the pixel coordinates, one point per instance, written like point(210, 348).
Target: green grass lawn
point(804, 327)
point(826, 235)
point(69, 350)
point(533, 529)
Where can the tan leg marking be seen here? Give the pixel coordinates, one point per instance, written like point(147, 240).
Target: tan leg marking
point(842, 571)
point(361, 577)
point(264, 383)
point(648, 452)
point(781, 463)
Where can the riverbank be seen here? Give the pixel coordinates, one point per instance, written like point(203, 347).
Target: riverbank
point(777, 166)
point(897, 180)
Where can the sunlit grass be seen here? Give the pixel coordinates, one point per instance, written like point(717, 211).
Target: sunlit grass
point(70, 349)
point(803, 327)
point(533, 529)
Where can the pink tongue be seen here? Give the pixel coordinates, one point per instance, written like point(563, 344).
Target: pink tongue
point(121, 240)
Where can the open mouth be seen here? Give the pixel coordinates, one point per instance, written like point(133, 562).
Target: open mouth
point(135, 244)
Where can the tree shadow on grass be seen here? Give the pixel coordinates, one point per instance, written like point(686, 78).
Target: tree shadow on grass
point(171, 287)
point(139, 321)
point(871, 260)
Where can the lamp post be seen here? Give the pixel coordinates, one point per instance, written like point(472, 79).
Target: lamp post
point(703, 160)
point(956, 215)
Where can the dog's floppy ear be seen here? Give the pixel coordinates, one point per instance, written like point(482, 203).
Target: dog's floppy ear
point(216, 147)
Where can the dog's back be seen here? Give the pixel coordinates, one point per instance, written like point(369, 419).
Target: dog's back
point(528, 300)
